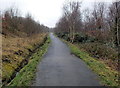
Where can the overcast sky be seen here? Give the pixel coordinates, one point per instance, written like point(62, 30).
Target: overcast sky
point(47, 12)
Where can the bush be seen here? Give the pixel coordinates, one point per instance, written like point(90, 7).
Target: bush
point(80, 37)
point(64, 35)
point(100, 50)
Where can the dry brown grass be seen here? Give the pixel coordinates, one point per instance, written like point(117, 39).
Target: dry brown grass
point(10, 44)
point(15, 50)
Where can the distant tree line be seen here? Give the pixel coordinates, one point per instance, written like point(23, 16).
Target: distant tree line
point(13, 23)
point(101, 23)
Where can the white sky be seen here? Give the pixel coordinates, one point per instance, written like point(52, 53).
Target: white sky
point(47, 12)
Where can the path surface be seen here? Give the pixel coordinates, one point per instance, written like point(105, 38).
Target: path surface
point(59, 68)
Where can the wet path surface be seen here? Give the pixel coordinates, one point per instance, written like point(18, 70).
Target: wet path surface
point(59, 68)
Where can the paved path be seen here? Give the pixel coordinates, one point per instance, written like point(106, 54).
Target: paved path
point(59, 68)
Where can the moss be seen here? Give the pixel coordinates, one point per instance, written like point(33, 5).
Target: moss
point(8, 69)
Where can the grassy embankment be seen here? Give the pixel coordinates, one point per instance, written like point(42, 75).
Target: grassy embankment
point(107, 76)
point(27, 74)
point(16, 54)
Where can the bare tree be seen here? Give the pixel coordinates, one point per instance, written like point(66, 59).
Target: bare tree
point(13, 23)
point(114, 22)
point(72, 14)
point(98, 14)
point(87, 19)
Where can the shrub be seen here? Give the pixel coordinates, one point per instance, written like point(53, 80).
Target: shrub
point(100, 50)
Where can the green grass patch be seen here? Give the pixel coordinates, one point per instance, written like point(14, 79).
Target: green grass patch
point(27, 74)
point(107, 76)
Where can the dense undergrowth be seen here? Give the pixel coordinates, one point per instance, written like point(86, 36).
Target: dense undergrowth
point(101, 52)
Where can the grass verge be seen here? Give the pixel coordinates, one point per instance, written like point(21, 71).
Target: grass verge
point(107, 76)
point(27, 74)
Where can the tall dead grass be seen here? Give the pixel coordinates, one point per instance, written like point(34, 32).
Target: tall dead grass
point(15, 50)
